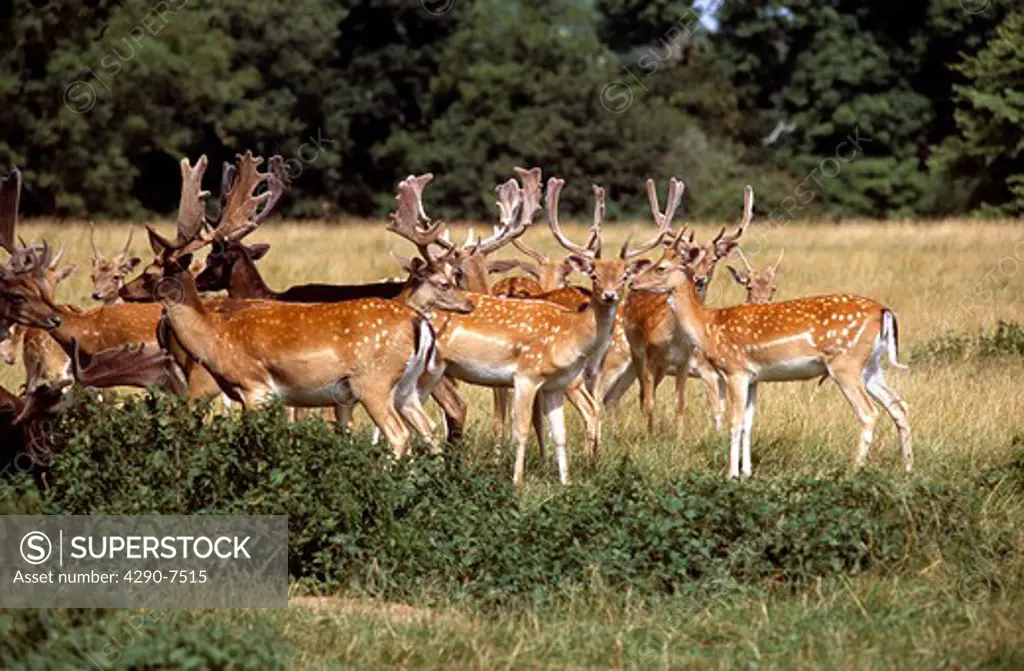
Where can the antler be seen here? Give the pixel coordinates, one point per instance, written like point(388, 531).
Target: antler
point(239, 216)
point(725, 244)
point(775, 268)
point(125, 366)
point(128, 242)
point(555, 185)
point(191, 205)
point(676, 189)
point(10, 195)
point(743, 258)
point(92, 238)
point(278, 182)
point(518, 208)
point(411, 222)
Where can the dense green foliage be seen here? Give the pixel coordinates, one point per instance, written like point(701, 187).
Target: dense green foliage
point(454, 526)
point(102, 98)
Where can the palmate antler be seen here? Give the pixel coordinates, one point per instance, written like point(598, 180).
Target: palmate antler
point(240, 214)
point(412, 223)
point(10, 195)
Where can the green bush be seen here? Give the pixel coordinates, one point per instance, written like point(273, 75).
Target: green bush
point(1006, 339)
point(447, 525)
point(70, 639)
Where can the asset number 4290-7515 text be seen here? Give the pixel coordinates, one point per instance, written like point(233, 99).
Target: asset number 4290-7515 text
point(171, 577)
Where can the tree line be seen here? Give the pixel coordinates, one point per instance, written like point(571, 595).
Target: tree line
point(829, 108)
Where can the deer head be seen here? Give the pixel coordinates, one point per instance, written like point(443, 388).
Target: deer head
point(108, 274)
point(609, 276)
point(433, 281)
point(27, 291)
point(225, 260)
point(760, 286)
point(241, 215)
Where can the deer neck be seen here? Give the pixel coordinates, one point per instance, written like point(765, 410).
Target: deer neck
point(599, 318)
point(193, 325)
point(691, 314)
point(246, 282)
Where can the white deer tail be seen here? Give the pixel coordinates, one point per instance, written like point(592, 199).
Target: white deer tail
point(891, 337)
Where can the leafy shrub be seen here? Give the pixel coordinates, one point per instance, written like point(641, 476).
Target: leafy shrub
point(158, 639)
point(1006, 339)
point(445, 524)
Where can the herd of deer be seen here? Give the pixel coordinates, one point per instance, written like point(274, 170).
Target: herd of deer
point(391, 345)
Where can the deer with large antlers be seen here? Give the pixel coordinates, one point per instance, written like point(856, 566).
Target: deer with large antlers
point(658, 347)
point(534, 347)
point(840, 336)
point(368, 351)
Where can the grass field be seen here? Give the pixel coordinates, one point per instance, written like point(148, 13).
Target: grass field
point(953, 278)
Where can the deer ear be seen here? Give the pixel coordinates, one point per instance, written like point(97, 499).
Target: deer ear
point(258, 251)
point(404, 262)
point(132, 263)
point(157, 243)
point(638, 266)
point(183, 262)
point(739, 276)
point(65, 272)
point(579, 263)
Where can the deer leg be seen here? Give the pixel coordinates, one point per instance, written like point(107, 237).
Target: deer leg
point(898, 410)
point(522, 410)
point(299, 414)
point(681, 404)
point(380, 406)
point(617, 385)
point(447, 396)
point(554, 409)
point(852, 386)
point(748, 425)
point(590, 411)
point(500, 412)
point(649, 381)
point(413, 413)
point(714, 385)
point(537, 420)
point(738, 388)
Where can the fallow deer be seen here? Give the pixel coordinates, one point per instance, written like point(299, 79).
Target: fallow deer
point(656, 344)
point(534, 347)
point(108, 274)
point(760, 286)
point(840, 336)
point(371, 351)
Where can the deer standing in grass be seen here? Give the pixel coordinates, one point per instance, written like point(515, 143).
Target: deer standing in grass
point(657, 345)
point(535, 347)
point(368, 351)
point(840, 336)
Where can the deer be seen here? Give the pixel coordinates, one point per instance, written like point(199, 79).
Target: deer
point(840, 336)
point(108, 274)
point(760, 286)
point(21, 435)
point(657, 346)
point(369, 351)
point(43, 357)
point(535, 347)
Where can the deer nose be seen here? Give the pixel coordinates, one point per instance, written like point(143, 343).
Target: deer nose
point(96, 296)
point(610, 296)
point(53, 322)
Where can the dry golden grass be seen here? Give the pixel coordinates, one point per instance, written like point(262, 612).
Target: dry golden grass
point(924, 271)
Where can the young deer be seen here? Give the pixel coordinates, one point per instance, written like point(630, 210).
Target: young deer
point(535, 347)
point(657, 346)
point(840, 336)
point(760, 286)
point(108, 274)
point(371, 351)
